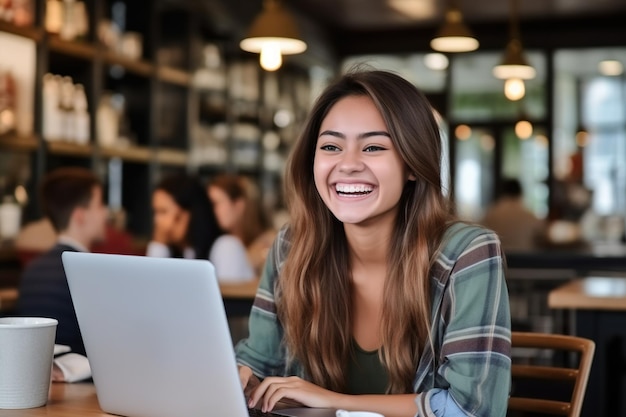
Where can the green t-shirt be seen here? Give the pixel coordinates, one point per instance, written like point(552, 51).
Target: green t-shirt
point(366, 373)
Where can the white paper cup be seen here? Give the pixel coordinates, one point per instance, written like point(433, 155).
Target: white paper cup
point(26, 351)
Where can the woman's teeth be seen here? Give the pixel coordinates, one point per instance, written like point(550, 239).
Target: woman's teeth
point(353, 189)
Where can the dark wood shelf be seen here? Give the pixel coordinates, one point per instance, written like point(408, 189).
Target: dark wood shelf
point(139, 67)
point(35, 34)
point(76, 49)
point(15, 142)
point(60, 147)
point(131, 153)
point(176, 157)
point(174, 76)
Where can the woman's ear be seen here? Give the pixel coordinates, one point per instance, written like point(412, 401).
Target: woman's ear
point(412, 177)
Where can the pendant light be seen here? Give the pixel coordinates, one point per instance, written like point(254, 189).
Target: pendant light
point(523, 126)
point(514, 64)
point(514, 89)
point(454, 35)
point(273, 33)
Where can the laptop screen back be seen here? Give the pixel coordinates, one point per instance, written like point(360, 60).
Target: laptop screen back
point(156, 335)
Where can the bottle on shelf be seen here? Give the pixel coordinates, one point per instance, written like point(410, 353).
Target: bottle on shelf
point(107, 121)
point(52, 129)
point(54, 16)
point(7, 102)
point(67, 18)
point(81, 116)
point(66, 107)
point(10, 217)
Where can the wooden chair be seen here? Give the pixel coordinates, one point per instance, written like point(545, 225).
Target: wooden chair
point(577, 376)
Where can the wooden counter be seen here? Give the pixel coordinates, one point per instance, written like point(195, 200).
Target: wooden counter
point(592, 293)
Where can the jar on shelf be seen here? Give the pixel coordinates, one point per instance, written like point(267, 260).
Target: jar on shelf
point(81, 115)
point(7, 102)
point(107, 122)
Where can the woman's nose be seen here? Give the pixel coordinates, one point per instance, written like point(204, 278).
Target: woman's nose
point(351, 161)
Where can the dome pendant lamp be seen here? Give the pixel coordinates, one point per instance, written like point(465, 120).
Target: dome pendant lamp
point(273, 33)
point(454, 35)
point(514, 64)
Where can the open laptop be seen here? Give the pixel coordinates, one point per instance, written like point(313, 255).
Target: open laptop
point(157, 338)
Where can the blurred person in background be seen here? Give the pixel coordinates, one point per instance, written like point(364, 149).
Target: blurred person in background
point(185, 226)
point(518, 228)
point(72, 201)
point(239, 211)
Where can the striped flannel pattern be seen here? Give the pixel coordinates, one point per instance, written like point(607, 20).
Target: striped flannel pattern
point(470, 353)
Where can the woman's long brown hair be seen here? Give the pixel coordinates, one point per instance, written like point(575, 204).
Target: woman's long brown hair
point(314, 290)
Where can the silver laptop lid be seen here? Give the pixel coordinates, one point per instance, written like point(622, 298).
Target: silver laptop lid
point(156, 335)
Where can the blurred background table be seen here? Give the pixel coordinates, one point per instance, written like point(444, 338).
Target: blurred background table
point(597, 307)
point(8, 298)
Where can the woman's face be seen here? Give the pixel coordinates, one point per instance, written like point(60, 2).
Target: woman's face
point(170, 220)
point(358, 172)
point(227, 211)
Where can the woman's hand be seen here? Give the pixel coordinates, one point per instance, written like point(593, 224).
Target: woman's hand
point(274, 389)
point(248, 380)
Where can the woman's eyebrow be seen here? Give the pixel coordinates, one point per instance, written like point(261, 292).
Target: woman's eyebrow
point(360, 135)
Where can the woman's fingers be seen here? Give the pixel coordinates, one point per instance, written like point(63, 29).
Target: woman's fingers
point(245, 373)
point(275, 389)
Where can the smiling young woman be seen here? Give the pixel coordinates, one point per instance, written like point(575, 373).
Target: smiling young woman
point(374, 297)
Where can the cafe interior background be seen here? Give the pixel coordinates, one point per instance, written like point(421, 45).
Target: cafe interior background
point(136, 90)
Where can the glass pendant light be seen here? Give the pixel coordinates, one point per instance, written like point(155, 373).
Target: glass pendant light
point(273, 33)
point(454, 35)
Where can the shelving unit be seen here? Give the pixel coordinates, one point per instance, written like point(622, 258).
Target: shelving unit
point(169, 120)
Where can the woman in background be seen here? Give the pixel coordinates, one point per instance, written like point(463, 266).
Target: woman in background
point(185, 226)
point(239, 211)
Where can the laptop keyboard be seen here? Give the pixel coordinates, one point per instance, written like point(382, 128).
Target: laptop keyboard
point(255, 412)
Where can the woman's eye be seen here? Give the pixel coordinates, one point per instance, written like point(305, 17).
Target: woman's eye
point(330, 148)
point(373, 148)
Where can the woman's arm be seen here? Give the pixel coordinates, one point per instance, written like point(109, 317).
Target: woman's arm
point(274, 389)
point(474, 358)
point(263, 351)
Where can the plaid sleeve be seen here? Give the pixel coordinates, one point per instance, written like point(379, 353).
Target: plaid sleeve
point(474, 359)
point(263, 351)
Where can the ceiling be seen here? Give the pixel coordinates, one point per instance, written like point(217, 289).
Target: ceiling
point(360, 15)
point(350, 27)
point(335, 29)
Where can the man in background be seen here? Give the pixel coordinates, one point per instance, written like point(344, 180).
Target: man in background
point(72, 200)
point(518, 228)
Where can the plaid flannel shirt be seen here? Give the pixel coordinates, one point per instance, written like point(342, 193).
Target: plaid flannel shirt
point(470, 319)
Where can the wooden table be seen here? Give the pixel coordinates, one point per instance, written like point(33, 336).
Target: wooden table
point(80, 400)
point(599, 309)
point(8, 298)
point(66, 400)
point(238, 297)
point(239, 290)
